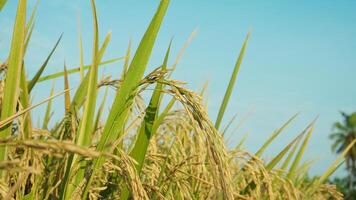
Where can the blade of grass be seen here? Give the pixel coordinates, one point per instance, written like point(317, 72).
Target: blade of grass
point(37, 76)
point(231, 83)
point(164, 113)
point(137, 67)
point(274, 135)
point(127, 61)
point(284, 151)
point(335, 164)
point(123, 100)
point(2, 4)
point(105, 44)
point(81, 57)
point(204, 89)
point(75, 70)
point(67, 94)
point(237, 127)
point(228, 125)
point(25, 103)
point(48, 114)
point(25, 91)
point(86, 124)
point(32, 17)
point(80, 94)
point(300, 153)
point(271, 164)
point(184, 48)
point(242, 141)
point(30, 26)
point(145, 133)
point(302, 171)
point(289, 157)
point(157, 122)
point(100, 110)
point(28, 38)
point(9, 119)
point(12, 82)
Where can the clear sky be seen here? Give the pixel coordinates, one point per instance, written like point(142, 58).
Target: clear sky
point(301, 57)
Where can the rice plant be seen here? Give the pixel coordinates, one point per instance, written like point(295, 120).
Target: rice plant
point(143, 148)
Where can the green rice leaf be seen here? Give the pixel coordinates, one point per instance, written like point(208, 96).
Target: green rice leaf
point(8, 120)
point(123, 100)
point(145, 131)
point(274, 135)
point(12, 82)
point(67, 94)
point(231, 83)
point(242, 141)
point(37, 76)
point(100, 110)
point(25, 103)
point(85, 132)
point(30, 26)
point(32, 17)
point(81, 54)
point(280, 156)
point(28, 38)
point(48, 113)
point(75, 70)
point(300, 153)
point(228, 125)
point(335, 164)
point(164, 113)
point(104, 46)
point(184, 48)
point(127, 61)
point(289, 157)
point(302, 172)
point(2, 4)
point(81, 92)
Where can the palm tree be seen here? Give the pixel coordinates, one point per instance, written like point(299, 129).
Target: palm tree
point(345, 133)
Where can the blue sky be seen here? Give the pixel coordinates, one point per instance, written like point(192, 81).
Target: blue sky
point(301, 57)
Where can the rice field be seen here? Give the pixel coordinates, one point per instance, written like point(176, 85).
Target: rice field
point(144, 148)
